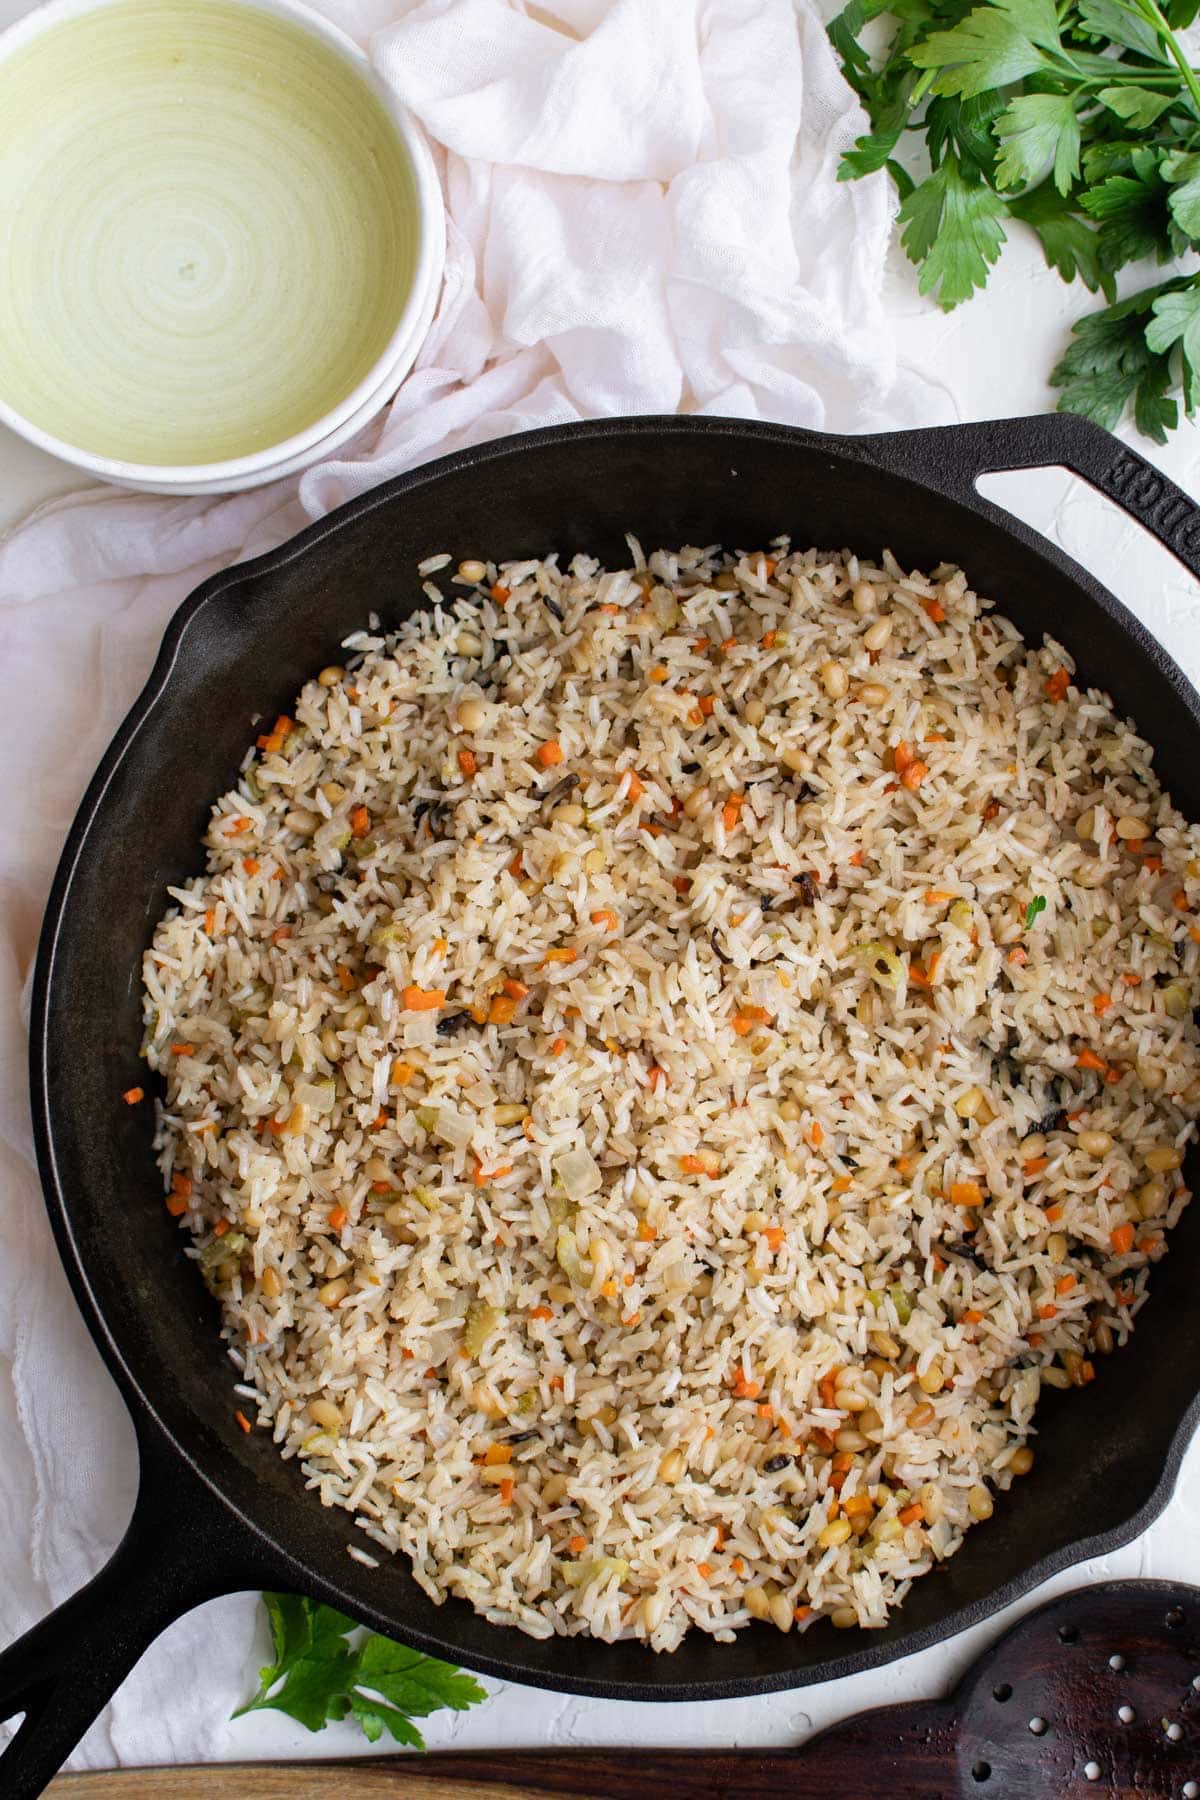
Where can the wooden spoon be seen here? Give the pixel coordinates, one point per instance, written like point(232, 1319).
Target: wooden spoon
point(1095, 1693)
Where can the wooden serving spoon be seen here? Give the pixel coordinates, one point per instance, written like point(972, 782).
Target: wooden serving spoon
point(1095, 1693)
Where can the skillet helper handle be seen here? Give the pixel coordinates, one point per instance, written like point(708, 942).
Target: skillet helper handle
point(951, 458)
point(180, 1550)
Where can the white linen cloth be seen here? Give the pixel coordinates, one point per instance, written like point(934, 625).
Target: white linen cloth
point(643, 216)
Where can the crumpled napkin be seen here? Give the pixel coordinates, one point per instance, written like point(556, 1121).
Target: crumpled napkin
point(643, 216)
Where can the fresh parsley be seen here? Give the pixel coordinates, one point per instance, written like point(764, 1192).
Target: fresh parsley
point(1036, 905)
point(319, 1674)
point(1080, 120)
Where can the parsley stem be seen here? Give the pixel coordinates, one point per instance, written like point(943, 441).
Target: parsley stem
point(1150, 10)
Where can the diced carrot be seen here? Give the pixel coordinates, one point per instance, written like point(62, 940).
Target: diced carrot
point(966, 1193)
point(912, 1515)
point(730, 811)
point(656, 1078)
point(501, 1011)
point(481, 1176)
point(742, 1025)
point(609, 608)
point(1064, 1284)
point(921, 976)
point(516, 867)
point(183, 1049)
point(767, 640)
point(856, 1504)
point(1152, 865)
point(416, 999)
point(337, 1218)
point(1179, 901)
point(744, 1388)
point(902, 756)
point(402, 1073)
point(220, 1228)
point(1057, 684)
point(242, 1420)
point(506, 1491)
point(936, 896)
point(1101, 1003)
point(914, 775)
point(973, 1316)
point(1018, 955)
point(935, 610)
point(939, 1263)
point(693, 1165)
point(636, 787)
point(646, 1232)
point(360, 822)
point(856, 861)
point(1035, 1339)
point(468, 764)
point(658, 674)
point(1122, 1239)
point(549, 754)
point(566, 953)
point(1034, 1166)
point(765, 1410)
point(497, 1453)
point(1047, 1312)
point(991, 811)
point(347, 980)
point(606, 917)
point(500, 594)
point(558, 1046)
point(1087, 1059)
point(706, 705)
point(841, 1184)
point(251, 865)
point(774, 1235)
point(210, 921)
point(1054, 1214)
point(132, 1095)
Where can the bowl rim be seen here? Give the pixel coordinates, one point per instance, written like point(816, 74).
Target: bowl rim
point(409, 331)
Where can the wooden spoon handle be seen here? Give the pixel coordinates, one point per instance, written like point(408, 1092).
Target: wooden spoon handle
point(489, 1775)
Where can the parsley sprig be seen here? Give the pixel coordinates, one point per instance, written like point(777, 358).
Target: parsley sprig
point(318, 1675)
point(1080, 120)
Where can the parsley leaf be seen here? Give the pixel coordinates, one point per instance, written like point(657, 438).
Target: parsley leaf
point(318, 1675)
point(952, 227)
point(1036, 905)
point(1068, 242)
point(1079, 118)
point(1038, 130)
point(1175, 320)
point(988, 50)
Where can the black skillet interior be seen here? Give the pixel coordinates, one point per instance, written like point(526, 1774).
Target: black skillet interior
point(238, 1517)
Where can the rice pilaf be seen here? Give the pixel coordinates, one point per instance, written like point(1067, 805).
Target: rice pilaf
point(663, 1066)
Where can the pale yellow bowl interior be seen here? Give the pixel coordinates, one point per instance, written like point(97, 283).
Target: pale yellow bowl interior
point(208, 231)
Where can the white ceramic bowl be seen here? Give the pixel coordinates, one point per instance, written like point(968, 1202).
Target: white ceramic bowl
point(371, 391)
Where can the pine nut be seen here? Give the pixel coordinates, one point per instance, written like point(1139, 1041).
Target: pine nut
point(843, 1617)
point(302, 822)
point(873, 693)
point(1151, 1198)
point(931, 1381)
point(933, 1503)
point(1021, 1461)
point(324, 1412)
point(331, 676)
point(1056, 1247)
point(969, 1102)
point(781, 1612)
point(510, 1112)
point(756, 1603)
point(331, 1044)
point(570, 813)
point(834, 679)
point(850, 1439)
point(593, 862)
point(1085, 825)
point(864, 599)
point(877, 635)
point(1095, 1143)
point(271, 1284)
point(979, 1503)
point(755, 712)
point(554, 1490)
point(471, 713)
point(1033, 1145)
point(334, 1291)
point(671, 1467)
point(797, 760)
point(1129, 827)
point(1160, 1161)
point(836, 1532)
point(472, 570)
point(468, 643)
point(886, 1344)
point(695, 803)
point(920, 1416)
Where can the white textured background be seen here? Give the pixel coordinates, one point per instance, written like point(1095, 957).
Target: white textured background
point(988, 360)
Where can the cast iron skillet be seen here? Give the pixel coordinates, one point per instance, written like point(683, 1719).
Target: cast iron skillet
point(217, 1510)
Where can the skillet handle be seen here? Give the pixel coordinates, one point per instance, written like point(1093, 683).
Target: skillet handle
point(181, 1549)
point(951, 458)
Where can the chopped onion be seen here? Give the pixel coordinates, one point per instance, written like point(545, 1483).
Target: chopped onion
point(882, 963)
point(454, 1128)
point(578, 1172)
point(318, 1096)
